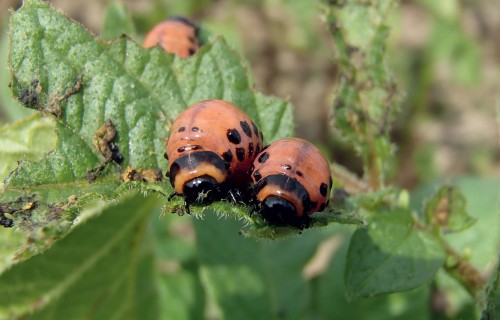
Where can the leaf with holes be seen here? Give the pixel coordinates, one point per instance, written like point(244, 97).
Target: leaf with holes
point(116, 92)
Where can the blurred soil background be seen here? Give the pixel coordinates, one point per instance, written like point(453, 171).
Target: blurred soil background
point(445, 56)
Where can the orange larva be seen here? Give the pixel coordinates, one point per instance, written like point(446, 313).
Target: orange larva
point(292, 179)
point(176, 35)
point(211, 146)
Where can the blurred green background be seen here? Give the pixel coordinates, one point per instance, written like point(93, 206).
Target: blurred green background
point(444, 54)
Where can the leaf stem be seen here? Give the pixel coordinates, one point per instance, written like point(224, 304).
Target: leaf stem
point(463, 271)
point(348, 180)
point(373, 169)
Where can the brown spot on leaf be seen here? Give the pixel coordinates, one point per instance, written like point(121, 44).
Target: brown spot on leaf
point(55, 99)
point(144, 175)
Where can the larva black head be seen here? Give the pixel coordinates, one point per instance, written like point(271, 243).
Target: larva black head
point(277, 211)
point(202, 189)
point(284, 201)
point(281, 183)
point(198, 176)
point(281, 212)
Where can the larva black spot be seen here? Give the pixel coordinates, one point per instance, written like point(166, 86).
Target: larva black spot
point(263, 157)
point(250, 149)
point(246, 128)
point(255, 129)
point(323, 189)
point(257, 175)
point(228, 155)
point(300, 173)
point(233, 136)
point(257, 149)
point(195, 129)
point(181, 129)
point(287, 167)
point(240, 154)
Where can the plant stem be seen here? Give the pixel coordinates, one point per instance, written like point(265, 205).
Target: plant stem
point(348, 180)
point(464, 272)
point(373, 169)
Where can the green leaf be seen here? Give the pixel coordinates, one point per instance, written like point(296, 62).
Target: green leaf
point(10, 242)
point(329, 293)
point(245, 278)
point(176, 268)
point(124, 82)
point(27, 139)
point(147, 288)
point(286, 261)
point(447, 210)
point(391, 255)
point(70, 162)
point(40, 195)
point(94, 265)
point(9, 106)
point(234, 277)
point(181, 294)
point(479, 244)
point(481, 195)
point(275, 118)
point(482, 203)
point(117, 22)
